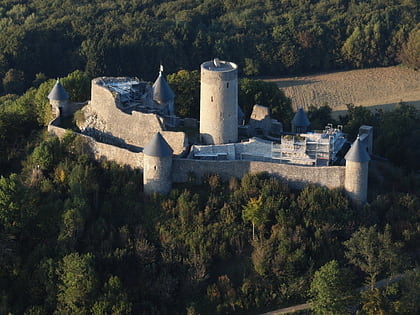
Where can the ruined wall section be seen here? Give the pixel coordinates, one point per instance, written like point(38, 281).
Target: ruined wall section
point(296, 176)
point(135, 128)
point(101, 151)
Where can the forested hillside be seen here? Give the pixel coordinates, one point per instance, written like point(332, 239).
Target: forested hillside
point(78, 236)
point(121, 37)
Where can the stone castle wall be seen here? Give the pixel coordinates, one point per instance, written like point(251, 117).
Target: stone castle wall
point(134, 128)
point(296, 176)
point(103, 151)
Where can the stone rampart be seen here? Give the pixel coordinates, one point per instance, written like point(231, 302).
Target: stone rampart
point(135, 128)
point(296, 176)
point(103, 151)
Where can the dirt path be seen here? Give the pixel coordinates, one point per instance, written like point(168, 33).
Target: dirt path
point(376, 87)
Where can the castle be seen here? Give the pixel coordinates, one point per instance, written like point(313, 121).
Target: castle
point(133, 123)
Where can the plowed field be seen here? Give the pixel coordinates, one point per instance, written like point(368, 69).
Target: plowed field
point(375, 88)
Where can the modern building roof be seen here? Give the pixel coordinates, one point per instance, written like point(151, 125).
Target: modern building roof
point(357, 152)
point(162, 92)
point(58, 93)
point(300, 119)
point(158, 147)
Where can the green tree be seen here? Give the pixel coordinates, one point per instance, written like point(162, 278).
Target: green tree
point(397, 130)
point(77, 284)
point(77, 85)
point(13, 82)
point(409, 293)
point(357, 116)
point(15, 208)
point(39, 78)
point(410, 51)
point(251, 92)
point(330, 290)
point(72, 227)
point(320, 116)
point(186, 86)
point(374, 253)
point(114, 300)
point(255, 213)
point(46, 154)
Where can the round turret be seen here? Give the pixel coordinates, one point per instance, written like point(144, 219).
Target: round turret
point(157, 166)
point(356, 178)
point(219, 102)
point(59, 100)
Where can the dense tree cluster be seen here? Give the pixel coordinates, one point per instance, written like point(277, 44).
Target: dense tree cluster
point(22, 117)
point(263, 36)
point(79, 237)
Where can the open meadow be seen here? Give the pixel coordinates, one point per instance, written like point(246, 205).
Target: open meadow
point(374, 88)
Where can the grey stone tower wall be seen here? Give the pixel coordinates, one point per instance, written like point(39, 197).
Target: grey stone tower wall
point(60, 108)
point(157, 176)
point(356, 181)
point(219, 103)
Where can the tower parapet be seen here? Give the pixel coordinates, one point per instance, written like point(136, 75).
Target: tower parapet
point(356, 178)
point(219, 102)
point(157, 166)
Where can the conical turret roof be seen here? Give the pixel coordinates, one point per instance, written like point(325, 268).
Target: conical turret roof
point(158, 147)
point(357, 152)
point(58, 93)
point(162, 92)
point(300, 119)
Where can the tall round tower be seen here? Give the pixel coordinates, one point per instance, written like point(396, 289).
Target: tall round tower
point(356, 178)
point(219, 102)
point(59, 100)
point(157, 166)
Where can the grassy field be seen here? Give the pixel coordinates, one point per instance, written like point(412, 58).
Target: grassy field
point(375, 88)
